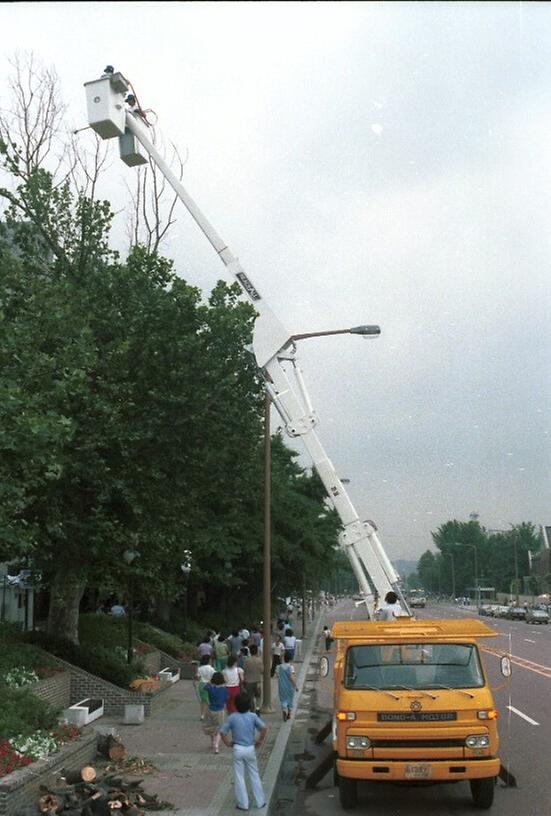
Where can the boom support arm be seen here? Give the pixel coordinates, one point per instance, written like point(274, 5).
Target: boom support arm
point(274, 351)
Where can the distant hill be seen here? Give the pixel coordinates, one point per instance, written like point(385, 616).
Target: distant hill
point(403, 567)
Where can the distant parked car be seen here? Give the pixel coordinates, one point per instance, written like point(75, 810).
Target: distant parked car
point(517, 613)
point(484, 609)
point(537, 616)
point(501, 611)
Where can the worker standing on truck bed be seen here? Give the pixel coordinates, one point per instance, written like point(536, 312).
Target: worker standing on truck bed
point(391, 609)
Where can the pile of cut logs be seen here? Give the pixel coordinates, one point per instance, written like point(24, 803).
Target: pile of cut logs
point(85, 792)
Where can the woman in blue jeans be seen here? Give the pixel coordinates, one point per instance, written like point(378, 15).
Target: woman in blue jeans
point(243, 726)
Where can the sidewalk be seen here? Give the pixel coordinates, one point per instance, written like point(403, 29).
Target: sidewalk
point(190, 776)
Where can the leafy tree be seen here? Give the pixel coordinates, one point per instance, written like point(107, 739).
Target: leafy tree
point(427, 570)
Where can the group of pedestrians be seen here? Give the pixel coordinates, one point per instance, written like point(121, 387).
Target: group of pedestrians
point(234, 664)
point(229, 681)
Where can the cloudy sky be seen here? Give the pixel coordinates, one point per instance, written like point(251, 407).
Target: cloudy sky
point(380, 163)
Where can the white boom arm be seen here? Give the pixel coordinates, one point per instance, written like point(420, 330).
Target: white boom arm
point(274, 351)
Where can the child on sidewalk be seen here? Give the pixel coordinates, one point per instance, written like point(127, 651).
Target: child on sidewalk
point(243, 726)
point(217, 694)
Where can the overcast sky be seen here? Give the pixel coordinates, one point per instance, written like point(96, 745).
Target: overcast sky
point(380, 163)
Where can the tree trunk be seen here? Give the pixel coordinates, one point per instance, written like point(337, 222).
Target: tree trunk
point(66, 593)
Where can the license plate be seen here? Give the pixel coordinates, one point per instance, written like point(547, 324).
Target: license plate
point(418, 771)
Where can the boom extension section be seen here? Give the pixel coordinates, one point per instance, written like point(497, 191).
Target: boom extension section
point(273, 345)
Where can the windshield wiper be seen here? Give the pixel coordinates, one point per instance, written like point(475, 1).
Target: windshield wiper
point(450, 688)
point(415, 691)
point(373, 688)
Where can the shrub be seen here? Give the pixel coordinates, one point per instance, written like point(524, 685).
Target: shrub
point(171, 644)
point(21, 713)
point(96, 629)
point(101, 661)
point(14, 653)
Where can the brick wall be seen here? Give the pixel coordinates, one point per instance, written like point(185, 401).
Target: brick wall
point(19, 789)
point(187, 669)
point(84, 684)
point(55, 690)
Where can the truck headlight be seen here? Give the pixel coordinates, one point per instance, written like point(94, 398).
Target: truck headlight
point(358, 742)
point(478, 741)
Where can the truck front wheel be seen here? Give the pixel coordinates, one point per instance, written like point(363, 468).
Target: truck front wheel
point(348, 793)
point(482, 791)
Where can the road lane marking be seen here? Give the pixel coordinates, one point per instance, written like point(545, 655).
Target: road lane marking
point(531, 665)
point(520, 714)
point(529, 641)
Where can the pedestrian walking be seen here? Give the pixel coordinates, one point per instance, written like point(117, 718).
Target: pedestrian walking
point(252, 674)
point(256, 637)
point(290, 643)
point(205, 647)
point(286, 686)
point(235, 643)
point(221, 653)
point(214, 719)
point(233, 678)
point(204, 676)
point(278, 649)
point(243, 725)
point(328, 638)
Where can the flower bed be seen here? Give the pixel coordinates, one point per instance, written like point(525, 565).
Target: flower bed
point(10, 759)
point(20, 751)
point(20, 788)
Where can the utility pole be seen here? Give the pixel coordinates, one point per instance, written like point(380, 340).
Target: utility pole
point(267, 573)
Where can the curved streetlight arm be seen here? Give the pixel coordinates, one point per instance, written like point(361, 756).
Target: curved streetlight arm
point(271, 340)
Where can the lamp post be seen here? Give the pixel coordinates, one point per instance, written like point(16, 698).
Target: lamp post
point(185, 566)
point(476, 587)
point(450, 555)
point(130, 556)
point(364, 331)
point(267, 566)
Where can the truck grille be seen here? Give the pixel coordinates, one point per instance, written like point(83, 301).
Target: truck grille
point(418, 743)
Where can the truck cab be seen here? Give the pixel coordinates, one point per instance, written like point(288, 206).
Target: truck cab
point(412, 704)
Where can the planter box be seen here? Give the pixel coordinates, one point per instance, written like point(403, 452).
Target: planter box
point(84, 712)
point(133, 714)
point(169, 675)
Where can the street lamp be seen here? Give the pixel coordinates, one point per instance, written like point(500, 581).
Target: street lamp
point(185, 566)
point(130, 556)
point(476, 587)
point(450, 555)
point(364, 331)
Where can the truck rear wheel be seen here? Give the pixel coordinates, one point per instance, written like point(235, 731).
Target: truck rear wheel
point(482, 791)
point(348, 793)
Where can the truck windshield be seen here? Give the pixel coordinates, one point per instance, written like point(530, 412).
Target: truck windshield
point(413, 666)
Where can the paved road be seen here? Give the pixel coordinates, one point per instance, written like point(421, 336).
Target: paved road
point(525, 728)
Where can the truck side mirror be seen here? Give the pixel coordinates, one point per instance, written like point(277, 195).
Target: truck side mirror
point(324, 667)
point(506, 668)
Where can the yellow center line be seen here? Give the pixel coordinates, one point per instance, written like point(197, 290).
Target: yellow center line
point(522, 662)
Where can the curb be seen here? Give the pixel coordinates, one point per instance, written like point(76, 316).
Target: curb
point(271, 772)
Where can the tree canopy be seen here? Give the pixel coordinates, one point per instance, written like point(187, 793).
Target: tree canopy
point(131, 417)
point(500, 558)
